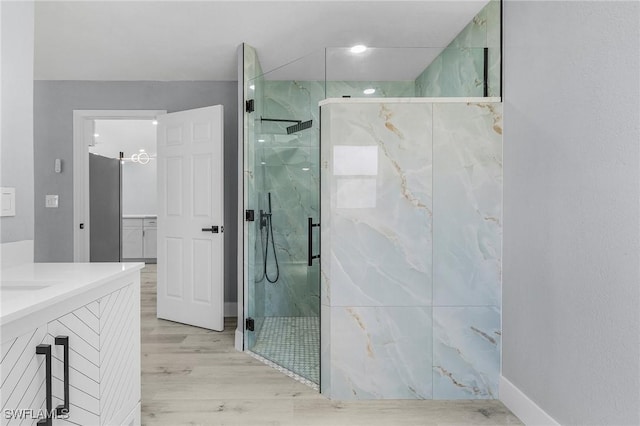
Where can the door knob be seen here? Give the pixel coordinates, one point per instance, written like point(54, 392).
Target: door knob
point(214, 229)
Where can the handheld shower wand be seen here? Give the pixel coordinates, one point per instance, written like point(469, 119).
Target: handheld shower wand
point(266, 223)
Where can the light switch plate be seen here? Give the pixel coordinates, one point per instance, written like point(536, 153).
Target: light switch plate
point(8, 202)
point(51, 201)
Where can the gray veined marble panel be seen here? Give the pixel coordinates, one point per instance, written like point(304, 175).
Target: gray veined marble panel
point(466, 352)
point(379, 353)
point(381, 243)
point(467, 221)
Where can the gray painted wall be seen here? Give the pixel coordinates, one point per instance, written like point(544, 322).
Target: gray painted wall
point(17, 117)
point(54, 105)
point(571, 288)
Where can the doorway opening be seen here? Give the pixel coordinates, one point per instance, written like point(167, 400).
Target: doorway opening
point(84, 142)
point(123, 191)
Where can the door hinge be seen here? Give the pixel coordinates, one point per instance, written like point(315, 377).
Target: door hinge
point(249, 105)
point(249, 215)
point(250, 324)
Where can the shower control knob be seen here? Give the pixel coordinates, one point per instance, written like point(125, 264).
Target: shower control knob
point(213, 229)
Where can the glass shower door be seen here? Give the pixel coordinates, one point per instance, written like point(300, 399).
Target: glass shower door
point(282, 188)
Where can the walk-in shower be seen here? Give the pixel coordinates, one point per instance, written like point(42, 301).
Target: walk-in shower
point(379, 177)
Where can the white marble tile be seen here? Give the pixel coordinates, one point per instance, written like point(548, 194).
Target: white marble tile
point(379, 353)
point(325, 350)
point(459, 69)
point(467, 221)
point(376, 259)
point(381, 254)
point(466, 352)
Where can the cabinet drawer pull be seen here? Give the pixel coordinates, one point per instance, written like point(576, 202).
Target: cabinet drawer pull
point(46, 351)
point(64, 342)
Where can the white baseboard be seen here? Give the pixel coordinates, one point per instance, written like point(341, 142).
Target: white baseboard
point(16, 253)
point(230, 309)
point(239, 342)
point(523, 407)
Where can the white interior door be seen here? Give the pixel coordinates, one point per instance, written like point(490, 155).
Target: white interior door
point(190, 217)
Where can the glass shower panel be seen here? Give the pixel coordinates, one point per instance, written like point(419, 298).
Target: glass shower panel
point(253, 87)
point(454, 71)
point(283, 149)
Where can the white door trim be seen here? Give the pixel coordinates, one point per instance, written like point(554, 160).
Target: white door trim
point(82, 131)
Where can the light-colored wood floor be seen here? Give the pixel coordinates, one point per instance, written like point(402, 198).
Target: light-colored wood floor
point(194, 376)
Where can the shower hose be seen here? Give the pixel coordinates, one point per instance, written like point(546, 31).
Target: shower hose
point(268, 226)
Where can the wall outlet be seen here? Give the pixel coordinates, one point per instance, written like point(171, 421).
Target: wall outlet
point(51, 201)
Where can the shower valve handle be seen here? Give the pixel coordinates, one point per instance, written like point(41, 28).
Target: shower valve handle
point(214, 229)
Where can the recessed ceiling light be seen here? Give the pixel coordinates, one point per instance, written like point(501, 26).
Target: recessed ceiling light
point(95, 135)
point(306, 169)
point(369, 91)
point(262, 162)
point(154, 122)
point(260, 140)
point(141, 150)
point(358, 48)
point(252, 87)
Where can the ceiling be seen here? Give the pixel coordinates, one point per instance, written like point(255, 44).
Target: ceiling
point(197, 40)
point(129, 136)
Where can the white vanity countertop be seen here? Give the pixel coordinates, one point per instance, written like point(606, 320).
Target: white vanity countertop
point(28, 290)
point(139, 216)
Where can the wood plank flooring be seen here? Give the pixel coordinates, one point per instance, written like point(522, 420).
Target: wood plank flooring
point(192, 376)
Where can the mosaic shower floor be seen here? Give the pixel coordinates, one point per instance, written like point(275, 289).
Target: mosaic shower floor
point(293, 343)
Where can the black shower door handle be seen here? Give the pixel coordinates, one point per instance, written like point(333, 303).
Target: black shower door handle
point(310, 255)
point(64, 342)
point(46, 351)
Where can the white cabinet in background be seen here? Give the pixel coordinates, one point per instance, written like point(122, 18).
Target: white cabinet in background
point(132, 238)
point(150, 238)
point(139, 238)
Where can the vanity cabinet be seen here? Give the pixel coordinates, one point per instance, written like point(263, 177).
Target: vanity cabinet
point(22, 377)
point(139, 238)
point(102, 362)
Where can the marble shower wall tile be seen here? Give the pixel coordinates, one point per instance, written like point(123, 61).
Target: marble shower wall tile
point(293, 100)
point(325, 349)
point(492, 12)
point(459, 69)
point(467, 221)
point(466, 352)
point(326, 252)
point(379, 353)
point(287, 168)
point(372, 166)
point(380, 186)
